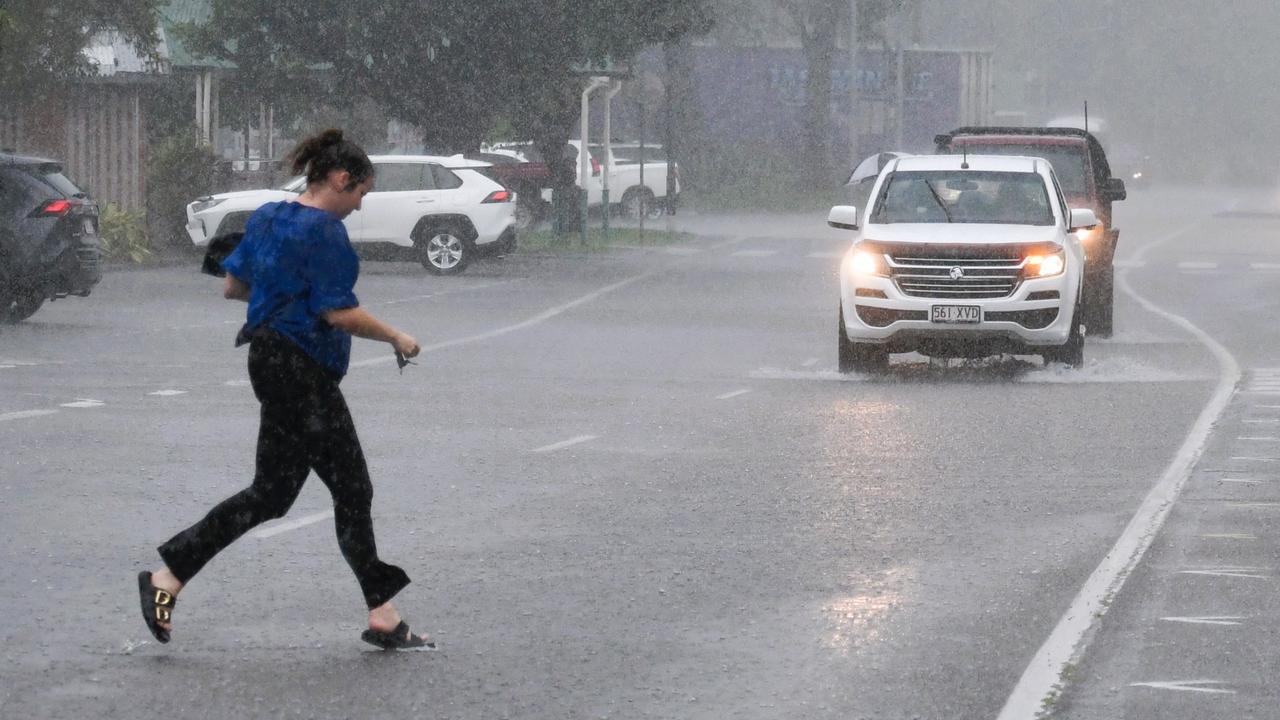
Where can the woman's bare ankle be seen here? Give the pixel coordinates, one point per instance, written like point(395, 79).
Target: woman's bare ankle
point(165, 580)
point(384, 617)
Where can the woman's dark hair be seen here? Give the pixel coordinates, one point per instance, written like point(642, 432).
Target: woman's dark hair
point(324, 152)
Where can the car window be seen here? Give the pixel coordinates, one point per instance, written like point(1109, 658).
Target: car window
point(52, 176)
point(403, 177)
point(1068, 161)
point(13, 196)
point(948, 196)
point(444, 178)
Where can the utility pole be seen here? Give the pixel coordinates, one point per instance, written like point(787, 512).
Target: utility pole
point(855, 83)
point(901, 110)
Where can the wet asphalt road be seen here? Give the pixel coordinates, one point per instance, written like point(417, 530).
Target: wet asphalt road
point(627, 485)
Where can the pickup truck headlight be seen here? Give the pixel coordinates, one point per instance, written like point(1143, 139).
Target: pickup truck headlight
point(1046, 265)
point(202, 204)
point(867, 262)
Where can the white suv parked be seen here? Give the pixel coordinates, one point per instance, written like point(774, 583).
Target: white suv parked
point(962, 258)
point(439, 210)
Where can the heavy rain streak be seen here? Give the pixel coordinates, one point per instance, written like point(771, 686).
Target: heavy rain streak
point(640, 359)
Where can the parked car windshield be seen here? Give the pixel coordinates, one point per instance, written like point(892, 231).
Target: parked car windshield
point(964, 196)
point(1067, 161)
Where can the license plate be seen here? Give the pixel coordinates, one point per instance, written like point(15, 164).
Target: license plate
point(88, 227)
point(956, 314)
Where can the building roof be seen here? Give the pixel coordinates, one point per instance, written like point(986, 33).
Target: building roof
point(112, 56)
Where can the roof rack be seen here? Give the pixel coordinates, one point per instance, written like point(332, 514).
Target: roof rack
point(946, 138)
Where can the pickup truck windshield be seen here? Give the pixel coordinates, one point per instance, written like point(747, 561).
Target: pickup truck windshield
point(964, 196)
point(1067, 161)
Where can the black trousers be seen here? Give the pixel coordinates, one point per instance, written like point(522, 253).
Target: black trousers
point(305, 426)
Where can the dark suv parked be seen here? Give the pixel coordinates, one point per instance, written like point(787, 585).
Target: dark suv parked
point(1081, 166)
point(49, 245)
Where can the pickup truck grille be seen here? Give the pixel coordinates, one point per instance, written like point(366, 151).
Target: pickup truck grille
point(956, 278)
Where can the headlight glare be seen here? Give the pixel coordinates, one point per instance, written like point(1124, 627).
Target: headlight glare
point(1046, 265)
point(865, 262)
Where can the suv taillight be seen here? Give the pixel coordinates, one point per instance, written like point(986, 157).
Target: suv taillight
point(499, 196)
point(53, 207)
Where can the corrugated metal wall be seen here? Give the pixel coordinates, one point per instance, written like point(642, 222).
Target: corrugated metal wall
point(97, 134)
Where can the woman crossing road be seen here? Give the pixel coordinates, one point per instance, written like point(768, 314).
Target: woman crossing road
point(297, 270)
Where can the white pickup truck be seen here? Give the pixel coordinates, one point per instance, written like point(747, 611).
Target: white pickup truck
point(627, 192)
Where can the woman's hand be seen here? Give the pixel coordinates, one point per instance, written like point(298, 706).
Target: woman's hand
point(406, 345)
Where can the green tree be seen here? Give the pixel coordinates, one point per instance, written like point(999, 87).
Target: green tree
point(42, 41)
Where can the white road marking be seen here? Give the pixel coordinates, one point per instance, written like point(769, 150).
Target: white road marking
point(84, 403)
point(1260, 438)
point(1197, 265)
point(1265, 266)
point(535, 320)
point(1237, 572)
point(285, 527)
point(1262, 422)
point(566, 443)
point(730, 243)
point(1187, 686)
point(24, 414)
point(1066, 643)
point(1252, 459)
point(237, 383)
point(1267, 407)
point(825, 255)
point(1254, 504)
point(755, 253)
point(734, 394)
point(1241, 481)
point(1229, 536)
point(168, 393)
point(810, 362)
point(681, 250)
point(1126, 264)
point(1207, 620)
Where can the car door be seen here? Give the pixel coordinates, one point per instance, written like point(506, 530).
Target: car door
point(403, 193)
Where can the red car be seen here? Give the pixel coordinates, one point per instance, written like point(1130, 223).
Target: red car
point(1080, 163)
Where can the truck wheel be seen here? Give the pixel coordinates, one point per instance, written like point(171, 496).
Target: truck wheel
point(858, 357)
point(640, 200)
point(530, 213)
point(443, 250)
point(1072, 353)
point(19, 307)
point(1100, 306)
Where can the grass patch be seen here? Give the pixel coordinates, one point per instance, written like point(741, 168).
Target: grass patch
point(547, 241)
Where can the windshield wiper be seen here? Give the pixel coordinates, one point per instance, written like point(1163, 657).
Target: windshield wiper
point(938, 199)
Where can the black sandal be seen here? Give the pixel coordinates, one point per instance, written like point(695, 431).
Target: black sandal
point(157, 606)
point(398, 639)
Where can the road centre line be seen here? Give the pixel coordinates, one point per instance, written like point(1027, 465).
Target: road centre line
point(1235, 572)
point(1242, 481)
point(1259, 438)
point(1207, 620)
point(530, 322)
point(734, 394)
point(285, 527)
point(1252, 459)
point(1067, 641)
point(565, 443)
point(26, 414)
point(1229, 536)
point(1187, 686)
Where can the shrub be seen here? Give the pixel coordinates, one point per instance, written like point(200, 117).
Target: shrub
point(181, 168)
point(124, 234)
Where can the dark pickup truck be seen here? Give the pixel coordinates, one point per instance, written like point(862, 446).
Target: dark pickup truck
point(1080, 163)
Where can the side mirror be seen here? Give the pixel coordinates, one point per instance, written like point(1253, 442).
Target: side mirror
point(1115, 190)
point(843, 217)
point(1082, 219)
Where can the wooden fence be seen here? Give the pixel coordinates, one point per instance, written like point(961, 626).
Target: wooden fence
point(97, 132)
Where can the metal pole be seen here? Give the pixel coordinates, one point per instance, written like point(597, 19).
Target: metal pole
point(854, 85)
point(614, 89)
point(643, 159)
point(584, 152)
point(902, 84)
